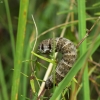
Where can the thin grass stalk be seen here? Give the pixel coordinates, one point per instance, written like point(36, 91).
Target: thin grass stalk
point(19, 48)
point(83, 47)
point(10, 27)
point(3, 83)
point(62, 25)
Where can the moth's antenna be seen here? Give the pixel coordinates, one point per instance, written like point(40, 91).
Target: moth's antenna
point(88, 32)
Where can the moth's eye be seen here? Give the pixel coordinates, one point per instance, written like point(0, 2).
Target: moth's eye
point(42, 47)
point(49, 46)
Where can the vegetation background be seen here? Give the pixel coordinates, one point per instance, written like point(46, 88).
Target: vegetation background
point(17, 35)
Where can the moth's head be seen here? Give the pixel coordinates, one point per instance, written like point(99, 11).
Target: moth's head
point(45, 47)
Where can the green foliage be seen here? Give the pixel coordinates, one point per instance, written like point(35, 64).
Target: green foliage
point(54, 18)
point(19, 48)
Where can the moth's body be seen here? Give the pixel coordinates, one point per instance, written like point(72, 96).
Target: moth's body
point(69, 54)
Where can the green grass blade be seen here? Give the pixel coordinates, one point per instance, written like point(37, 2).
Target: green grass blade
point(83, 47)
point(25, 71)
point(27, 48)
point(10, 26)
point(19, 48)
point(44, 58)
point(3, 83)
point(79, 63)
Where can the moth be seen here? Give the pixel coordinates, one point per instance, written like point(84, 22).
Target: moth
point(69, 55)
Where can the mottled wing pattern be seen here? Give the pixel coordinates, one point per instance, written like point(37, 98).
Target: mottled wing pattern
point(69, 54)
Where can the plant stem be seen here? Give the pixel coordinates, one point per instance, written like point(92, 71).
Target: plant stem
point(19, 48)
point(83, 47)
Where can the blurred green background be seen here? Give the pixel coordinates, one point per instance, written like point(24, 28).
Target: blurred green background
point(47, 14)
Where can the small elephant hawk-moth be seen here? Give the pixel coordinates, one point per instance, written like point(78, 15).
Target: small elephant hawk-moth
point(69, 54)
